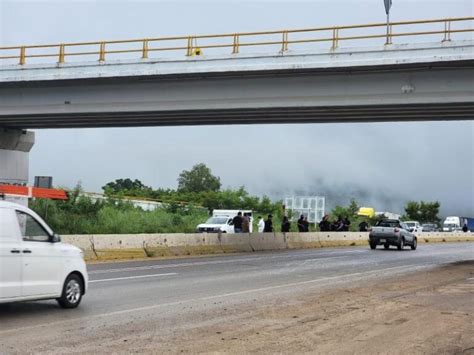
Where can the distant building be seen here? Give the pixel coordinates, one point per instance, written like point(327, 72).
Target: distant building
point(312, 207)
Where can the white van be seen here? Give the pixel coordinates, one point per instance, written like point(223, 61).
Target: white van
point(222, 221)
point(34, 264)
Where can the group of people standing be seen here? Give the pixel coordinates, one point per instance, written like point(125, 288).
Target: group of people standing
point(339, 225)
point(266, 226)
point(242, 224)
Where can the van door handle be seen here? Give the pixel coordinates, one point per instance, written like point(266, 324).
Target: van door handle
point(27, 251)
point(15, 251)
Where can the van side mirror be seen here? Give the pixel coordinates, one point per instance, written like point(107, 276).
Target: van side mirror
point(55, 238)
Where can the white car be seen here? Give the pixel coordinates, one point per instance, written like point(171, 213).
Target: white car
point(414, 226)
point(34, 264)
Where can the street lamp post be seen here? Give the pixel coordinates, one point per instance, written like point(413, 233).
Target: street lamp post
point(388, 5)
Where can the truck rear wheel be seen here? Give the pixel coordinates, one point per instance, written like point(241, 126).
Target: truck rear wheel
point(401, 245)
point(372, 245)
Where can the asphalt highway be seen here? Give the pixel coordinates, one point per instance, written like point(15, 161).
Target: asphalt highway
point(159, 289)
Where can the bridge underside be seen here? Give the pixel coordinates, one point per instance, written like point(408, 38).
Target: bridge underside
point(432, 91)
point(273, 115)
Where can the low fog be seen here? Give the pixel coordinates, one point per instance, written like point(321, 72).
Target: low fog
point(381, 165)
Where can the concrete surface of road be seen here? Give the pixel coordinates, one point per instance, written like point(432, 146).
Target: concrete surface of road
point(178, 305)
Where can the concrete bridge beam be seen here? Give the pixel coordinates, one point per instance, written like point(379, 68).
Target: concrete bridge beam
point(15, 146)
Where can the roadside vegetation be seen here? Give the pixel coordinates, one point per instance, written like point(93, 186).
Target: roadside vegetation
point(82, 215)
point(198, 194)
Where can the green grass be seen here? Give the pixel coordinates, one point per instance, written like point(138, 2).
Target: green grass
point(83, 216)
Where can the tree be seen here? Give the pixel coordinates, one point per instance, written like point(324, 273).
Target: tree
point(198, 179)
point(423, 212)
point(353, 207)
point(124, 185)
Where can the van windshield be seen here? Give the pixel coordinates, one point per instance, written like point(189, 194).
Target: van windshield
point(217, 220)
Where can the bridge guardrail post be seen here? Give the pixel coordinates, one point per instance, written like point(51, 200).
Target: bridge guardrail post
point(102, 52)
point(189, 52)
point(447, 31)
point(335, 38)
point(61, 54)
point(145, 49)
point(236, 43)
point(284, 42)
point(22, 55)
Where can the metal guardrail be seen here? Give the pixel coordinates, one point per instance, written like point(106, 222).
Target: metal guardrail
point(188, 44)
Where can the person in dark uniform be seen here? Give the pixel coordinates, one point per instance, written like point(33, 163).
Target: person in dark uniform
point(238, 223)
point(363, 226)
point(306, 224)
point(301, 224)
point(346, 224)
point(285, 225)
point(268, 224)
point(325, 225)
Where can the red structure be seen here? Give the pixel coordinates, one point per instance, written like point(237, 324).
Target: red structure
point(30, 192)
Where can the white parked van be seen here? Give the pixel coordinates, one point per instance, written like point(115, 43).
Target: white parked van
point(222, 221)
point(34, 264)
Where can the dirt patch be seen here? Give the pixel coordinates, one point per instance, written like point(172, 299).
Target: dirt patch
point(430, 312)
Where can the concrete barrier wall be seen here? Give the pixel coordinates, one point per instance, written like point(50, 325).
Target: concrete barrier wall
point(129, 246)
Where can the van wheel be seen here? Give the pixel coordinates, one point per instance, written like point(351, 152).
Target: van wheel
point(72, 292)
point(414, 245)
point(401, 245)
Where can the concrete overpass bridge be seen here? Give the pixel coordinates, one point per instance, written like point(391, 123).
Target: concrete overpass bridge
point(376, 82)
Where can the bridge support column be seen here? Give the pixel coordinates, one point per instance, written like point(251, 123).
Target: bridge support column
point(15, 146)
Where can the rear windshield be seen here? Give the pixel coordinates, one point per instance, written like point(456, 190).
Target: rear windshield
point(388, 224)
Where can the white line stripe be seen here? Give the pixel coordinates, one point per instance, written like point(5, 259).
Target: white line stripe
point(199, 263)
point(132, 277)
point(147, 308)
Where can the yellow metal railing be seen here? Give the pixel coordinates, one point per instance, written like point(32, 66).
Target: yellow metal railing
point(284, 39)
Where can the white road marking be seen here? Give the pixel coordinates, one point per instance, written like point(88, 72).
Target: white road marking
point(198, 263)
point(132, 277)
point(148, 308)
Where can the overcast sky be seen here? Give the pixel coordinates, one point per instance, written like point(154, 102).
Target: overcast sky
point(434, 161)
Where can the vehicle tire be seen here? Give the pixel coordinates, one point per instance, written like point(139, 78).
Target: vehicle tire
point(386, 246)
point(372, 245)
point(401, 245)
point(414, 245)
point(72, 292)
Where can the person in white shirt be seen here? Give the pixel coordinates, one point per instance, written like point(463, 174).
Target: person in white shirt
point(261, 224)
